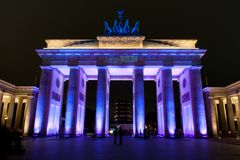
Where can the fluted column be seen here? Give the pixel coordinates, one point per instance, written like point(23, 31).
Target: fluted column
point(43, 101)
point(72, 102)
point(192, 103)
point(160, 109)
point(10, 112)
point(4, 112)
point(29, 116)
point(198, 102)
point(212, 117)
point(102, 101)
point(168, 101)
point(107, 105)
point(19, 113)
point(82, 83)
point(230, 115)
point(1, 106)
point(238, 112)
point(138, 104)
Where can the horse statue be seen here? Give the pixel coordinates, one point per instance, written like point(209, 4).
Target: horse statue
point(126, 27)
point(121, 26)
point(107, 28)
point(135, 29)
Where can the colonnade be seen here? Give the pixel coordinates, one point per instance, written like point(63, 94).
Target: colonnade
point(17, 112)
point(49, 104)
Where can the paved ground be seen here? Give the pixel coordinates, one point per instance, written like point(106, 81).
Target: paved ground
point(132, 148)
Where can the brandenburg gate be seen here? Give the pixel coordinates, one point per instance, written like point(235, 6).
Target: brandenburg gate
point(120, 57)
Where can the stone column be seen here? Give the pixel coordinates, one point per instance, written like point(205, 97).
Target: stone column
point(43, 101)
point(212, 116)
point(19, 113)
point(107, 105)
point(238, 111)
point(139, 106)
point(29, 116)
point(1, 106)
point(168, 101)
point(82, 83)
point(224, 128)
point(199, 114)
point(230, 115)
point(101, 101)
point(10, 112)
point(160, 109)
point(72, 102)
point(4, 112)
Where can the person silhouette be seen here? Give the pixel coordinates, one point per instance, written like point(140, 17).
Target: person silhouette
point(120, 134)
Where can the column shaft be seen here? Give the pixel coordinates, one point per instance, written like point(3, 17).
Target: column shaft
point(107, 105)
point(29, 117)
point(160, 109)
point(213, 116)
point(139, 106)
point(168, 101)
point(4, 112)
point(82, 83)
point(10, 112)
point(101, 102)
point(19, 113)
point(43, 102)
point(200, 124)
point(1, 105)
point(230, 115)
point(72, 102)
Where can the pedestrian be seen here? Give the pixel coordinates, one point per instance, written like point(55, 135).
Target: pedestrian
point(120, 134)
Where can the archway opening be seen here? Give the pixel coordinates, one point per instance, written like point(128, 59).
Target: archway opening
point(150, 106)
point(177, 102)
point(64, 104)
point(120, 106)
point(89, 123)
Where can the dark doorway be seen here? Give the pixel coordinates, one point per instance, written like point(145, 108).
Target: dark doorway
point(150, 106)
point(22, 115)
point(63, 111)
point(178, 112)
point(14, 114)
point(91, 93)
point(219, 117)
point(120, 105)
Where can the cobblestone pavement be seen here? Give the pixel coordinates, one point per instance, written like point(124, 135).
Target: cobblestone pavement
point(84, 148)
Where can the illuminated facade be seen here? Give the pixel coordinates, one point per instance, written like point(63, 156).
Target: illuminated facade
point(17, 106)
point(223, 110)
point(110, 58)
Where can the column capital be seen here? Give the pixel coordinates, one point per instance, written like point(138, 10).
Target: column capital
point(212, 98)
point(166, 67)
point(74, 67)
point(142, 67)
point(30, 97)
point(221, 98)
point(46, 67)
point(196, 67)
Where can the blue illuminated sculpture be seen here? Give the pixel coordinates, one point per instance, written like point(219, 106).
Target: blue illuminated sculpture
point(121, 26)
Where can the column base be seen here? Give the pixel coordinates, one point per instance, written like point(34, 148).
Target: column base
point(139, 136)
point(99, 136)
point(161, 135)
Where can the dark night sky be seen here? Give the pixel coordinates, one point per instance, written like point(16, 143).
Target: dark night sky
point(25, 24)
